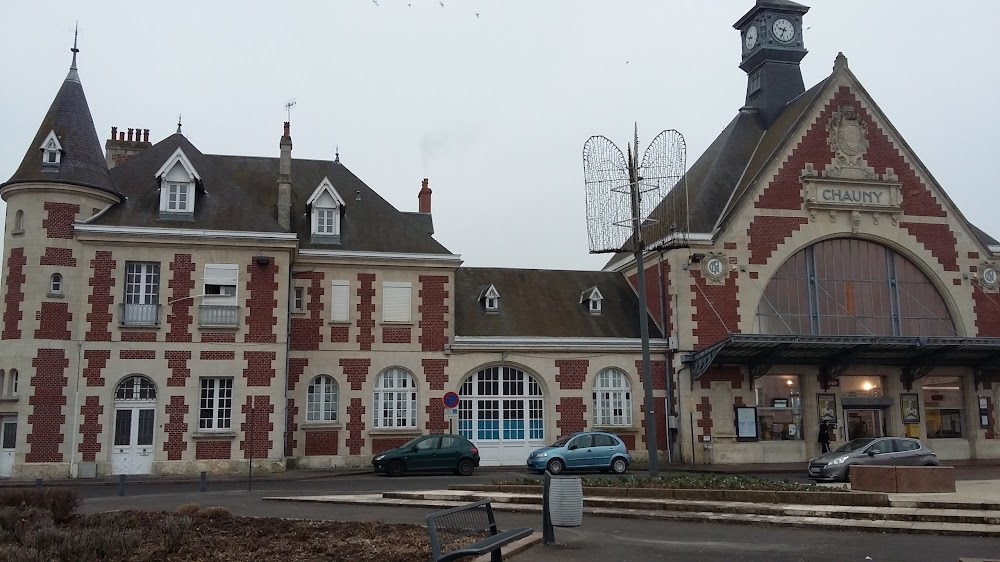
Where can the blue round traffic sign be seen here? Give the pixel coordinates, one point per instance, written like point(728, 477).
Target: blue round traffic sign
point(450, 400)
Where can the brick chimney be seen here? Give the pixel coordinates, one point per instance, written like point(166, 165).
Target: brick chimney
point(424, 198)
point(118, 149)
point(285, 180)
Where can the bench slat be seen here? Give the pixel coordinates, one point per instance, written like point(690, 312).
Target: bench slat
point(445, 527)
point(487, 545)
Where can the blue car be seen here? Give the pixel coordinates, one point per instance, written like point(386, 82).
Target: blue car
point(588, 450)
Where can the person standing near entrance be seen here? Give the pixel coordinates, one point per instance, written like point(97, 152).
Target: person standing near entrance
point(824, 436)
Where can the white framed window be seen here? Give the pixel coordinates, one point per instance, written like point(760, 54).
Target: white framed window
point(491, 299)
point(56, 283)
point(51, 150)
point(142, 293)
point(216, 406)
point(220, 282)
point(299, 299)
point(322, 399)
point(327, 221)
point(396, 297)
point(395, 399)
point(177, 182)
point(340, 304)
point(177, 197)
point(326, 205)
point(12, 382)
point(592, 297)
point(612, 399)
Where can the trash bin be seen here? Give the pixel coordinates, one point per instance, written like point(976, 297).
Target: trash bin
point(566, 501)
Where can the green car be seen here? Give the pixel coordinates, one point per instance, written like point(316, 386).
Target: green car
point(430, 453)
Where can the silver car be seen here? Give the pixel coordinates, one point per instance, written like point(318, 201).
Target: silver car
point(835, 466)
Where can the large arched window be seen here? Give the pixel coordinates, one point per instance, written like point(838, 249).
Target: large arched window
point(395, 399)
point(852, 287)
point(136, 388)
point(612, 399)
point(322, 400)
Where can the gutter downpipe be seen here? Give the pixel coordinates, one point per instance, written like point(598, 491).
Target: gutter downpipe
point(76, 409)
point(668, 411)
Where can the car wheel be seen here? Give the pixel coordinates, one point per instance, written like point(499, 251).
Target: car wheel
point(556, 466)
point(847, 475)
point(465, 467)
point(619, 466)
point(395, 468)
point(930, 464)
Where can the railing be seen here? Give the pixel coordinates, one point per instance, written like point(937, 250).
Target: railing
point(218, 315)
point(140, 314)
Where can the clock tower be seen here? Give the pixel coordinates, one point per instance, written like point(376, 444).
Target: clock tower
point(772, 44)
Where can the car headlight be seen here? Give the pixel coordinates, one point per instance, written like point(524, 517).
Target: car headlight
point(380, 457)
point(839, 460)
point(540, 455)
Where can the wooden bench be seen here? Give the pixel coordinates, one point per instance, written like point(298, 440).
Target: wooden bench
point(469, 530)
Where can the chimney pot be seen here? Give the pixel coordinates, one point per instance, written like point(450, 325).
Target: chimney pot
point(145, 135)
point(424, 197)
point(287, 127)
point(114, 133)
point(130, 134)
point(121, 136)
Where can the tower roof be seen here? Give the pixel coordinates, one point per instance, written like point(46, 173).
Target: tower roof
point(82, 161)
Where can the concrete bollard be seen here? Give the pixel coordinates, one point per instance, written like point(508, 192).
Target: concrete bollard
point(121, 484)
point(203, 481)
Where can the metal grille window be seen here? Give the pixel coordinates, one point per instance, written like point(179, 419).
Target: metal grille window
point(136, 388)
point(216, 407)
point(322, 399)
point(852, 287)
point(612, 399)
point(395, 399)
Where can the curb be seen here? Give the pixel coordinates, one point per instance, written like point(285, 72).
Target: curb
point(147, 480)
point(515, 548)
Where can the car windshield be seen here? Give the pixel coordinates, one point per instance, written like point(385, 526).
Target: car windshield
point(562, 441)
point(853, 445)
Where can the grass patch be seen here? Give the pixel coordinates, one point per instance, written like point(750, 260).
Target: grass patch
point(683, 481)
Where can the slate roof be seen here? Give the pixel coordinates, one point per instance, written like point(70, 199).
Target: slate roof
point(546, 303)
point(82, 161)
point(240, 193)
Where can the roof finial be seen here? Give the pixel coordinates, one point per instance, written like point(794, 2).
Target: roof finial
point(179, 124)
point(336, 159)
point(73, 75)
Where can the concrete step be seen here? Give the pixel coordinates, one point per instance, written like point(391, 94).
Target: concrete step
point(982, 517)
point(802, 517)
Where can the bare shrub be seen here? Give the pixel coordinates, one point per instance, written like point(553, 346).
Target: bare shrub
point(188, 508)
point(61, 502)
point(216, 512)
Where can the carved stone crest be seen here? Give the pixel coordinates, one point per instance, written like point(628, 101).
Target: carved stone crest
point(849, 142)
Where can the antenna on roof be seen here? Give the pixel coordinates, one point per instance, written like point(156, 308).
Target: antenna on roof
point(178, 123)
point(336, 153)
point(288, 110)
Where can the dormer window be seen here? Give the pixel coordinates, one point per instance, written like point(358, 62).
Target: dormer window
point(326, 208)
point(592, 297)
point(51, 151)
point(177, 178)
point(490, 299)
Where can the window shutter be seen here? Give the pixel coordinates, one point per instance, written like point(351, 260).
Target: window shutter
point(341, 307)
point(220, 274)
point(396, 301)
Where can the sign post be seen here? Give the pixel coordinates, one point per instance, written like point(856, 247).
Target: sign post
point(450, 401)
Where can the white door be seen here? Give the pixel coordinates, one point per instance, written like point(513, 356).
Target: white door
point(501, 412)
point(8, 441)
point(133, 448)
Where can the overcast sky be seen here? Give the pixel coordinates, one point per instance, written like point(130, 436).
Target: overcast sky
point(491, 99)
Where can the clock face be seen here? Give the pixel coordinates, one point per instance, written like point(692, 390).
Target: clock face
point(783, 30)
point(750, 39)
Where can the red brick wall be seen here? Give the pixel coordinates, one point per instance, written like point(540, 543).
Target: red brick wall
point(138, 336)
point(262, 303)
point(46, 417)
point(340, 334)
point(58, 256)
point(182, 283)
point(92, 412)
point(571, 415)
point(356, 426)
point(58, 222)
point(660, 416)
point(356, 371)
point(177, 363)
point(291, 426)
point(629, 441)
point(97, 361)
point(435, 416)
point(766, 233)
point(262, 427)
point(137, 354)
point(296, 367)
point(221, 449)
point(54, 319)
point(12, 314)
point(987, 308)
point(100, 299)
point(366, 310)
point(705, 422)
point(939, 239)
point(218, 337)
point(716, 309)
point(572, 373)
point(322, 442)
point(396, 334)
point(658, 372)
point(434, 372)
point(176, 427)
point(306, 331)
point(217, 355)
point(732, 375)
point(259, 371)
point(433, 311)
point(383, 444)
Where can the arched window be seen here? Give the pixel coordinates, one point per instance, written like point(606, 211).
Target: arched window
point(322, 400)
point(848, 287)
point(18, 222)
point(56, 283)
point(395, 399)
point(612, 399)
point(12, 382)
point(3, 383)
point(136, 387)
